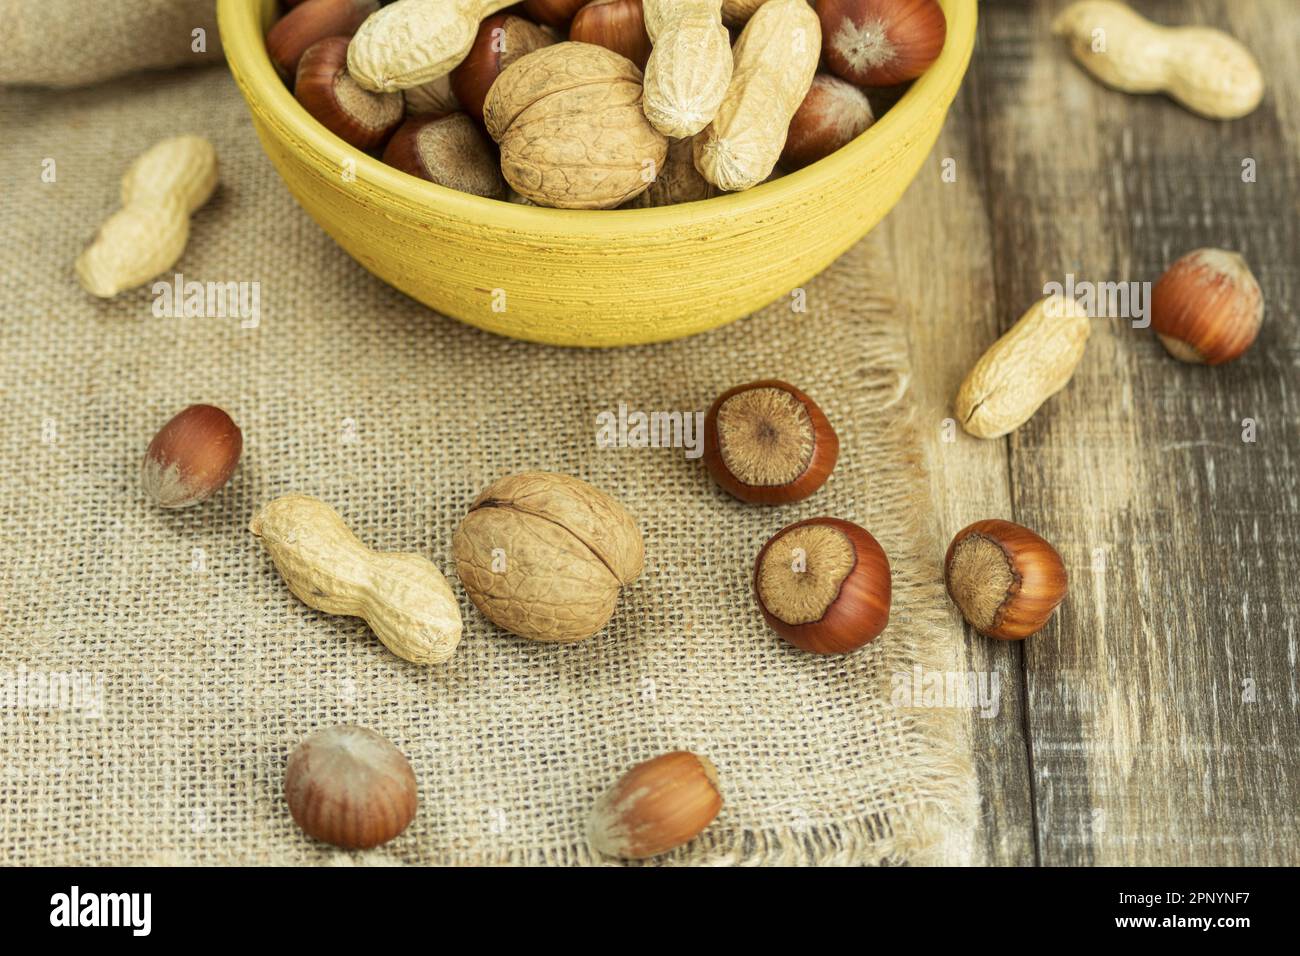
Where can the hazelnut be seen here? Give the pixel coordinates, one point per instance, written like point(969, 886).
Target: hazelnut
point(502, 38)
point(1006, 580)
point(308, 22)
point(191, 457)
point(617, 25)
point(349, 786)
point(1207, 308)
point(833, 114)
point(824, 585)
point(545, 555)
point(554, 13)
point(657, 806)
point(768, 443)
point(326, 90)
point(881, 42)
point(432, 97)
point(447, 150)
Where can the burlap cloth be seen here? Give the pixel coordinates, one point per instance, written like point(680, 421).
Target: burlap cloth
point(77, 42)
point(210, 671)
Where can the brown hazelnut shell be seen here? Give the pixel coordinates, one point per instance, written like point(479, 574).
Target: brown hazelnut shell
point(881, 42)
point(449, 150)
point(825, 452)
point(859, 611)
point(351, 787)
point(192, 456)
point(1035, 580)
point(833, 113)
point(617, 25)
point(1207, 308)
point(553, 13)
point(308, 22)
point(502, 38)
point(357, 116)
point(656, 807)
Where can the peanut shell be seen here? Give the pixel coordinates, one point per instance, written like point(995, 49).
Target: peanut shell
point(690, 65)
point(1028, 365)
point(403, 597)
point(413, 42)
point(1204, 69)
point(775, 61)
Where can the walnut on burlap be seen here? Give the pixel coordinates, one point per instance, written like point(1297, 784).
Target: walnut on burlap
point(212, 671)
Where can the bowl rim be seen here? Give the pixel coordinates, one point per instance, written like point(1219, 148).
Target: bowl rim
point(242, 35)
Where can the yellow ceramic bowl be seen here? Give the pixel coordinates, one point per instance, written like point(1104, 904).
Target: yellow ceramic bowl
point(606, 277)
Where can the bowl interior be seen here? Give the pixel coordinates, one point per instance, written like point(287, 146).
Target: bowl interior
point(243, 26)
point(598, 277)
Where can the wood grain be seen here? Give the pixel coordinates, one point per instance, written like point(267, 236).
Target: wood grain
point(1159, 722)
point(953, 316)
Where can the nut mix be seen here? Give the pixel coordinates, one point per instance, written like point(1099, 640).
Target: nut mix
point(544, 555)
point(591, 104)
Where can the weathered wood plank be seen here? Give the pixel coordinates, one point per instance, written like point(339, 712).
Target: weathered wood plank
point(1162, 710)
point(941, 245)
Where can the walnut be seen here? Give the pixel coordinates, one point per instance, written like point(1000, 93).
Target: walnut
point(572, 132)
point(545, 555)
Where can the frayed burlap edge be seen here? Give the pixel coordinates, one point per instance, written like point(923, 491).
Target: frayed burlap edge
point(937, 827)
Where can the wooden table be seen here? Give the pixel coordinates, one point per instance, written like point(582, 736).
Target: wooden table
point(1155, 720)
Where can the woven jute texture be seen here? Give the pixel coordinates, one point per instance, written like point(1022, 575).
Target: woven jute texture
point(183, 670)
point(77, 42)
